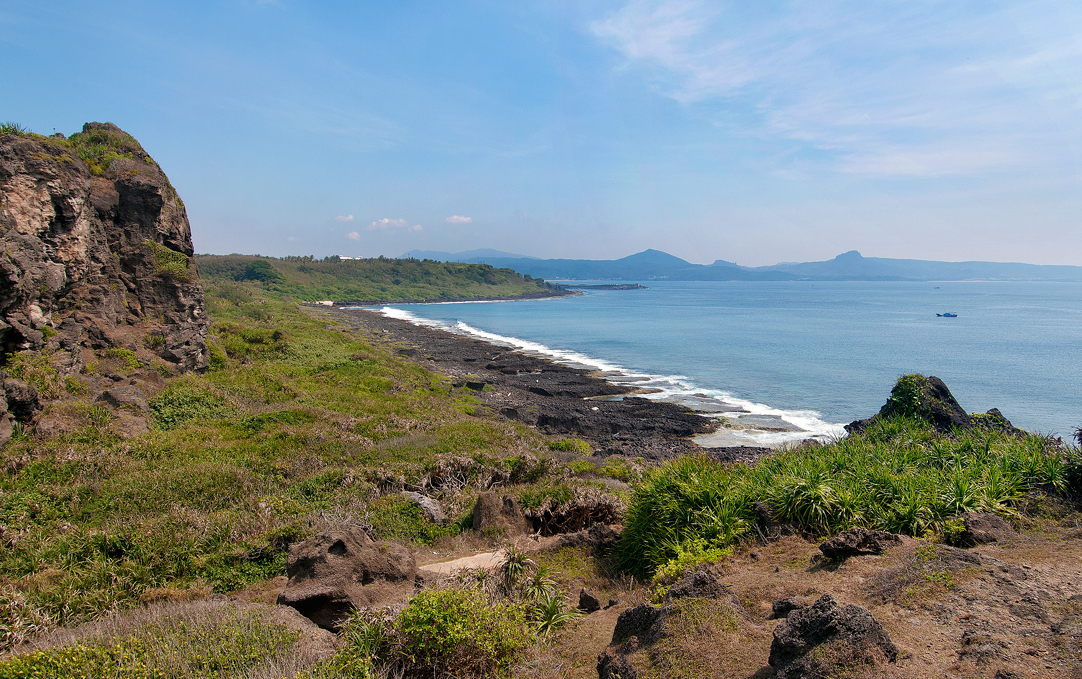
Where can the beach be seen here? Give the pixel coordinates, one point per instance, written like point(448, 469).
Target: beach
point(556, 398)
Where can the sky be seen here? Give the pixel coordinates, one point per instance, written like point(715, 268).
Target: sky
point(752, 132)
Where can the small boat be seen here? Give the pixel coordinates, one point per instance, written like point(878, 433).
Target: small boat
point(947, 315)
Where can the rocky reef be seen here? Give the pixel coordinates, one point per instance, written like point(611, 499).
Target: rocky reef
point(96, 255)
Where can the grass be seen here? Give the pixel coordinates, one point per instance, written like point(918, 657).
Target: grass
point(378, 279)
point(899, 475)
point(303, 420)
point(170, 642)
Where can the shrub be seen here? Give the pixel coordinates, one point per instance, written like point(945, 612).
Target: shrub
point(35, 369)
point(460, 632)
point(169, 262)
point(127, 358)
point(570, 445)
point(395, 518)
point(187, 401)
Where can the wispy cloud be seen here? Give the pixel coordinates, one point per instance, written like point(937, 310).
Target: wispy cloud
point(458, 219)
point(353, 235)
point(915, 89)
point(344, 218)
point(292, 239)
point(387, 223)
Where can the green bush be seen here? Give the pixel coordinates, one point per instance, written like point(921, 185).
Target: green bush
point(398, 519)
point(185, 402)
point(570, 445)
point(168, 262)
point(461, 633)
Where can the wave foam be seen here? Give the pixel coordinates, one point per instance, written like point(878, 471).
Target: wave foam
point(793, 425)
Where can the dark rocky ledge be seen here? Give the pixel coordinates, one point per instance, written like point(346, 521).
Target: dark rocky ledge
point(557, 399)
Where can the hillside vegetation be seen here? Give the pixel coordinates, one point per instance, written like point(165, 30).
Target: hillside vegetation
point(374, 280)
point(303, 426)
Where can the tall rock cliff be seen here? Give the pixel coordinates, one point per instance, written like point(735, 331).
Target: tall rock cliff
point(95, 254)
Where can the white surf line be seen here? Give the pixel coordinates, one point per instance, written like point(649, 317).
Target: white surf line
point(669, 387)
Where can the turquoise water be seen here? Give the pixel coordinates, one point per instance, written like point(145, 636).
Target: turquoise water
point(808, 355)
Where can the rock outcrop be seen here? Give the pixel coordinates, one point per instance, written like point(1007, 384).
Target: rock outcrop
point(333, 574)
point(928, 398)
point(97, 252)
point(825, 639)
point(858, 542)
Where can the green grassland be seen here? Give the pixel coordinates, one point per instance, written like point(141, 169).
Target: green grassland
point(379, 279)
point(303, 425)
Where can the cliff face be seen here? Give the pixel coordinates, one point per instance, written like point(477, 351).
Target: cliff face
point(95, 253)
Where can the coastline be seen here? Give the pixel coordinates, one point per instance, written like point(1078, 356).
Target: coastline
point(540, 294)
point(558, 399)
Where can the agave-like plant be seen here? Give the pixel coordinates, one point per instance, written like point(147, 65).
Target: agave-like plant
point(551, 612)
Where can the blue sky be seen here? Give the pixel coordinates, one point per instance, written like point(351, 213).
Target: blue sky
point(754, 132)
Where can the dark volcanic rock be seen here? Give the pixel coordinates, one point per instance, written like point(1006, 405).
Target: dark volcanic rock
point(95, 260)
point(491, 513)
point(783, 607)
point(926, 397)
point(588, 602)
point(644, 626)
point(858, 541)
point(982, 528)
point(547, 395)
point(330, 575)
point(814, 641)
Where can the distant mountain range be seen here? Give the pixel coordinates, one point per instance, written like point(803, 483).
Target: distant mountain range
point(466, 257)
point(849, 266)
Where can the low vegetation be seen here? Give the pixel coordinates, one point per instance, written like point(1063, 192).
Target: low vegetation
point(378, 279)
point(302, 425)
point(899, 475)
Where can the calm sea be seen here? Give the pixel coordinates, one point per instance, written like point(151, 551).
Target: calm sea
point(784, 361)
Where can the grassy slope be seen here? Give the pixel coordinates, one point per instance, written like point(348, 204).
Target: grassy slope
point(369, 279)
point(300, 422)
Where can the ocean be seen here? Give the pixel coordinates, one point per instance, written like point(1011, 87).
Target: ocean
point(784, 361)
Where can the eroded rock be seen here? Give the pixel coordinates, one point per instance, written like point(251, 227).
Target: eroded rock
point(824, 638)
point(500, 515)
point(858, 541)
point(982, 528)
point(98, 259)
point(332, 574)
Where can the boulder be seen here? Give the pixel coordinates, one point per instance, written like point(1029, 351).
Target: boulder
point(431, 508)
point(588, 602)
point(783, 607)
point(502, 516)
point(858, 541)
point(982, 528)
point(22, 399)
point(126, 396)
point(826, 639)
point(333, 574)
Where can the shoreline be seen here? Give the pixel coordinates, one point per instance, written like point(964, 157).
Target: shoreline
point(540, 294)
point(557, 399)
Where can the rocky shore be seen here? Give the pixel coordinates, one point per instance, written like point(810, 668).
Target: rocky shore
point(557, 399)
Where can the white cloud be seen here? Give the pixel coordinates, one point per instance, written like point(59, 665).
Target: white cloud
point(292, 239)
point(353, 235)
point(458, 219)
point(386, 223)
point(344, 218)
point(892, 89)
